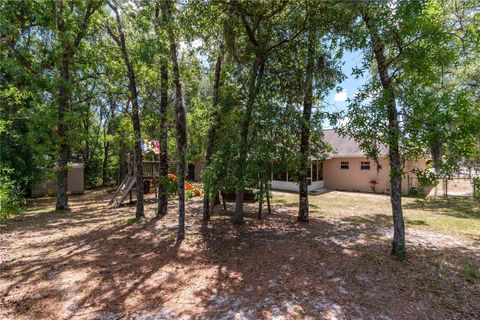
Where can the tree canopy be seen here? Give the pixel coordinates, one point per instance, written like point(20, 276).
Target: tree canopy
point(238, 85)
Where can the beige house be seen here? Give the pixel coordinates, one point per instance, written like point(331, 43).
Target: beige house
point(348, 169)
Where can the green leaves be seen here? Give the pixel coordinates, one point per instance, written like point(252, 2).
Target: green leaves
point(431, 47)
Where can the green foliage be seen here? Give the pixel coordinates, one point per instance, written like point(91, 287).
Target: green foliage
point(476, 187)
point(433, 65)
point(129, 220)
point(11, 196)
point(171, 188)
point(189, 194)
point(470, 273)
point(435, 95)
point(426, 178)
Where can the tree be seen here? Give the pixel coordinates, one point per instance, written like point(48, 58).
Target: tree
point(180, 117)
point(163, 168)
point(441, 112)
point(305, 131)
point(22, 154)
point(304, 71)
point(132, 86)
point(212, 132)
point(258, 23)
point(393, 136)
point(407, 45)
point(68, 47)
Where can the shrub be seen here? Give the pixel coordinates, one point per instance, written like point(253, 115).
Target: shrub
point(171, 187)
point(11, 197)
point(189, 194)
point(372, 184)
point(476, 188)
point(426, 179)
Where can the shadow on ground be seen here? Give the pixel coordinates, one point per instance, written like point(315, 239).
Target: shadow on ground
point(460, 208)
point(94, 263)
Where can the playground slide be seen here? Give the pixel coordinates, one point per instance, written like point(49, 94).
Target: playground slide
point(188, 185)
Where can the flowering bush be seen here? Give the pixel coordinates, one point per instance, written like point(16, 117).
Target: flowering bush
point(372, 184)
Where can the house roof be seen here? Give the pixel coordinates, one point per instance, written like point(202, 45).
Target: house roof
point(344, 146)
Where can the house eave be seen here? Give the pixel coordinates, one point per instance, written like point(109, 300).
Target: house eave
point(338, 156)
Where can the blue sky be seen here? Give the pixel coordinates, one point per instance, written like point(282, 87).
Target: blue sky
point(336, 101)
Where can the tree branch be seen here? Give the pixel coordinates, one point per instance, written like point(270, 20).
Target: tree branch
point(88, 14)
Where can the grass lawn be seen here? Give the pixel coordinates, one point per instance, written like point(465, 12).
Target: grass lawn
point(459, 217)
point(99, 263)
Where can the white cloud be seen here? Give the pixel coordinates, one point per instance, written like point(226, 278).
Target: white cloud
point(341, 96)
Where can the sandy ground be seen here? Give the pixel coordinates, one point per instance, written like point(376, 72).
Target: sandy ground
point(94, 263)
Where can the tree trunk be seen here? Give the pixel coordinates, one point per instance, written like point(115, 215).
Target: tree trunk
point(256, 76)
point(268, 202)
point(163, 179)
point(63, 106)
point(398, 243)
point(163, 167)
point(436, 153)
point(121, 159)
point(305, 134)
point(68, 52)
point(138, 150)
point(106, 148)
point(86, 152)
point(62, 129)
point(180, 122)
point(106, 143)
point(132, 86)
point(212, 132)
point(260, 201)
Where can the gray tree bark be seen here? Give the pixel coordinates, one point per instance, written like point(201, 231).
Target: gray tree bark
point(162, 187)
point(121, 159)
point(212, 131)
point(256, 77)
point(436, 153)
point(398, 242)
point(107, 144)
point(62, 129)
point(68, 53)
point(106, 153)
point(305, 134)
point(132, 87)
point(163, 168)
point(180, 121)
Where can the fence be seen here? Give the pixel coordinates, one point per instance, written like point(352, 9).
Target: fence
point(458, 185)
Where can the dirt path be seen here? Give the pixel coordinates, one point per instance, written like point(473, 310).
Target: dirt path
point(95, 264)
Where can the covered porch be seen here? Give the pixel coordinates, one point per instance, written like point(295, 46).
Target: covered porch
point(284, 179)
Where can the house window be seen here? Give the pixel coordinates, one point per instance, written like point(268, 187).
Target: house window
point(365, 165)
point(317, 170)
point(344, 165)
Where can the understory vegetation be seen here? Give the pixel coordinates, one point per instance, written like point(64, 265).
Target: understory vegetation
point(242, 87)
